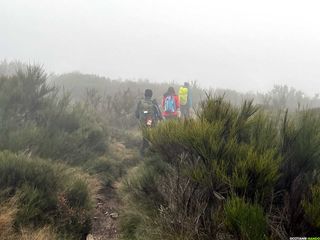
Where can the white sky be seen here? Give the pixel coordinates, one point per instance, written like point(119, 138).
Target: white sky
point(238, 44)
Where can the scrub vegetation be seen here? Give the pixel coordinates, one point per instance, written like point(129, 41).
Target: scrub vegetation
point(45, 142)
point(246, 166)
point(230, 173)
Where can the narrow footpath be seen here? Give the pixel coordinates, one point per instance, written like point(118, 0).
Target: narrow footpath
point(106, 216)
point(105, 222)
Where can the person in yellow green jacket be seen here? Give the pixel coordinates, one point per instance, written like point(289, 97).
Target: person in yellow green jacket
point(185, 96)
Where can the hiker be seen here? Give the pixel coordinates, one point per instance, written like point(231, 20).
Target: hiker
point(185, 97)
point(170, 104)
point(148, 113)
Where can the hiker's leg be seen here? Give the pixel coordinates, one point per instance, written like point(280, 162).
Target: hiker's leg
point(188, 112)
point(145, 145)
point(183, 110)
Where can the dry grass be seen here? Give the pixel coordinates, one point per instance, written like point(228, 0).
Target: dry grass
point(7, 214)
point(44, 233)
point(92, 181)
point(8, 211)
point(118, 149)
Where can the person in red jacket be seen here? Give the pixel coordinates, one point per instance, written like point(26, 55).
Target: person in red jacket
point(170, 104)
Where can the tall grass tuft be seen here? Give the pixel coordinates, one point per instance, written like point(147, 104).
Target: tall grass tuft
point(47, 194)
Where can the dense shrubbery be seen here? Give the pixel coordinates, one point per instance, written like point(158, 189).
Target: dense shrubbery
point(231, 172)
point(46, 193)
point(234, 171)
point(36, 121)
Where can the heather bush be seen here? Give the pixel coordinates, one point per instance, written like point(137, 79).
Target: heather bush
point(230, 169)
point(47, 194)
point(45, 133)
point(245, 220)
point(312, 207)
point(36, 119)
point(137, 220)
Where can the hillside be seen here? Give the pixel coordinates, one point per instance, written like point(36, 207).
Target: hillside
point(70, 166)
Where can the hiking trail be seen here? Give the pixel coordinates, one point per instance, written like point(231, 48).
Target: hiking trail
point(105, 221)
point(106, 214)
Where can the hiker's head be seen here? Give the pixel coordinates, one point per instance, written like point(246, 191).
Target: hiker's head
point(186, 84)
point(171, 91)
point(148, 93)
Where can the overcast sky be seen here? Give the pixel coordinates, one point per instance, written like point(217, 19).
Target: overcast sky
point(238, 44)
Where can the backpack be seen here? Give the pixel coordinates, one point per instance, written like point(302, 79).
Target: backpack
point(183, 95)
point(169, 104)
point(147, 112)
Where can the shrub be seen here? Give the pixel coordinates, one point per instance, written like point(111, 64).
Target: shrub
point(267, 163)
point(312, 207)
point(245, 220)
point(211, 157)
point(38, 122)
point(35, 118)
point(8, 212)
point(18, 170)
point(77, 194)
point(299, 147)
point(107, 169)
point(42, 189)
point(130, 224)
point(255, 175)
point(143, 199)
point(142, 180)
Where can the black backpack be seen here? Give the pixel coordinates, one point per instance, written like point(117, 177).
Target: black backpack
point(147, 112)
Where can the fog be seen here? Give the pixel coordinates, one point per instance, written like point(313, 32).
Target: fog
point(243, 45)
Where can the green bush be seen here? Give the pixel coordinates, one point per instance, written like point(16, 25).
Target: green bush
point(35, 118)
point(38, 120)
point(47, 194)
point(73, 209)
point(18, 170)
point(142, 183)
point(300, 141)
point(77, 194)
point(255, 157)
point(143, 200)
point(211, 156)
point(256, 175)
point(312, 207)
point(130, 224)
point(245, 220)
point(107, 169)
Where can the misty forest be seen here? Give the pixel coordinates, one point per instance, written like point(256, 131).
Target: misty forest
point(241, 166)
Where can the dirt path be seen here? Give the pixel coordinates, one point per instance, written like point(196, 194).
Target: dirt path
point(106, 216)
point(105, 222)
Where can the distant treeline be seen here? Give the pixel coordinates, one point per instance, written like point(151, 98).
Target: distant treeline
point(280, 97)
point(77, 83)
